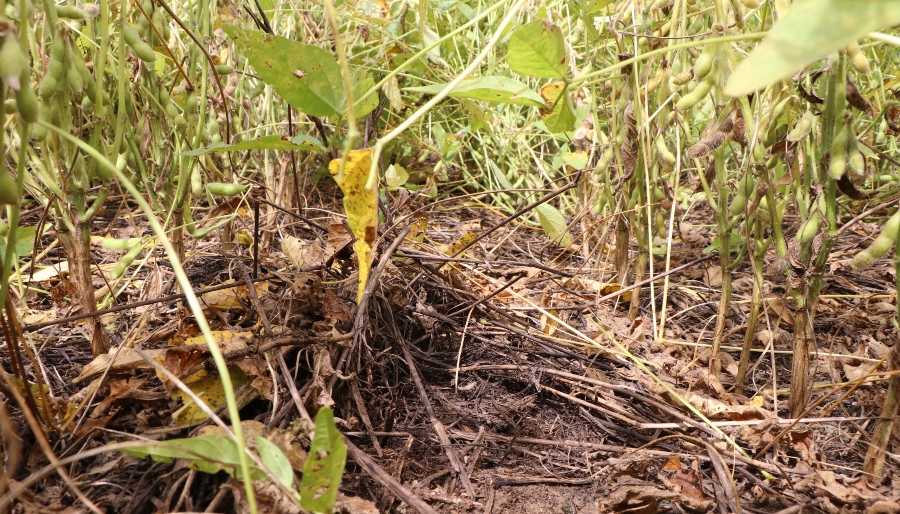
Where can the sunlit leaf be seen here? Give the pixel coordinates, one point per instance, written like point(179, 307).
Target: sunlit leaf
point(554, 224)
point(300, 143)
point(494, 89)
point(360, 206)
point(324, 466)
point(306, 76)
point(811, 30)
point(539, 50)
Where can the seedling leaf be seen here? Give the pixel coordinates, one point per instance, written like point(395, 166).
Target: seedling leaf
point(214, 453)
point(324, 466)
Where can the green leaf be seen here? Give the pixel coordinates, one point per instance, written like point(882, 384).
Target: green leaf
point(24, 241)
point(214, 453)
point(324, 466)
point(810, 30)
point(362, 82)
point(494, 89)
point(307, 77)
point(274, 459)
point(554, 224)
point(301, 142)
point(538, 49)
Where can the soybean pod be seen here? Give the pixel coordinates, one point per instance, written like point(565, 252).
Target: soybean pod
point(880, 246)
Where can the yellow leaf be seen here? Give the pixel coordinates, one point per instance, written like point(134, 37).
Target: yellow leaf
point(360, 206)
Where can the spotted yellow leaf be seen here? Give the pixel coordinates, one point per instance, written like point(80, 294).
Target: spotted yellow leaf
point(360, 206)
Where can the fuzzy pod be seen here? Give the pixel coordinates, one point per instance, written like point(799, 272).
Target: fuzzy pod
point(855, 158)
point(164, 97)
point(12, 62)
point(858, 59)
point(838, 161)
point(258, 89)
point(190, 104)
point(69, 12)
point(605, 160)
point(802, 128)
point(27, 102)
point(750, 4)
point(9, 191)
point(120, 245)
point(125, 262)
point(10, 107)
point(810, 227)
point(683, 78)
point(197, 182)
point(225, 189)
point(76, 82)
point(159, 21)
point(180, 122)
point(880, 245)
point(704, 63)
point(140, 48)
point(224, 69)
point(698, 93)
point(665, 155)
point(171, 110)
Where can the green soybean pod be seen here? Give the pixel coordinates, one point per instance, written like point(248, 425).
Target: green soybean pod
point(126, 261)
point(704, 63)
point(700, 90)
point(159, 21)
point(120, 245)
point(27, 101)
point(665, 155)
point(164, 96)
point(258, 89)
point(803, 127)
point(605, 160)
point(810, 227)
point(225, 189)
point(10, 107)
point(12, 61)
point(197, 182)
point(70, 12)
point(190, 104)
point(9, 191)
point(858, 59)
point(854, 156)
point(880, 245)
point(838, 162)
point(74, 79)
point(224, 69)
point(133, 40)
